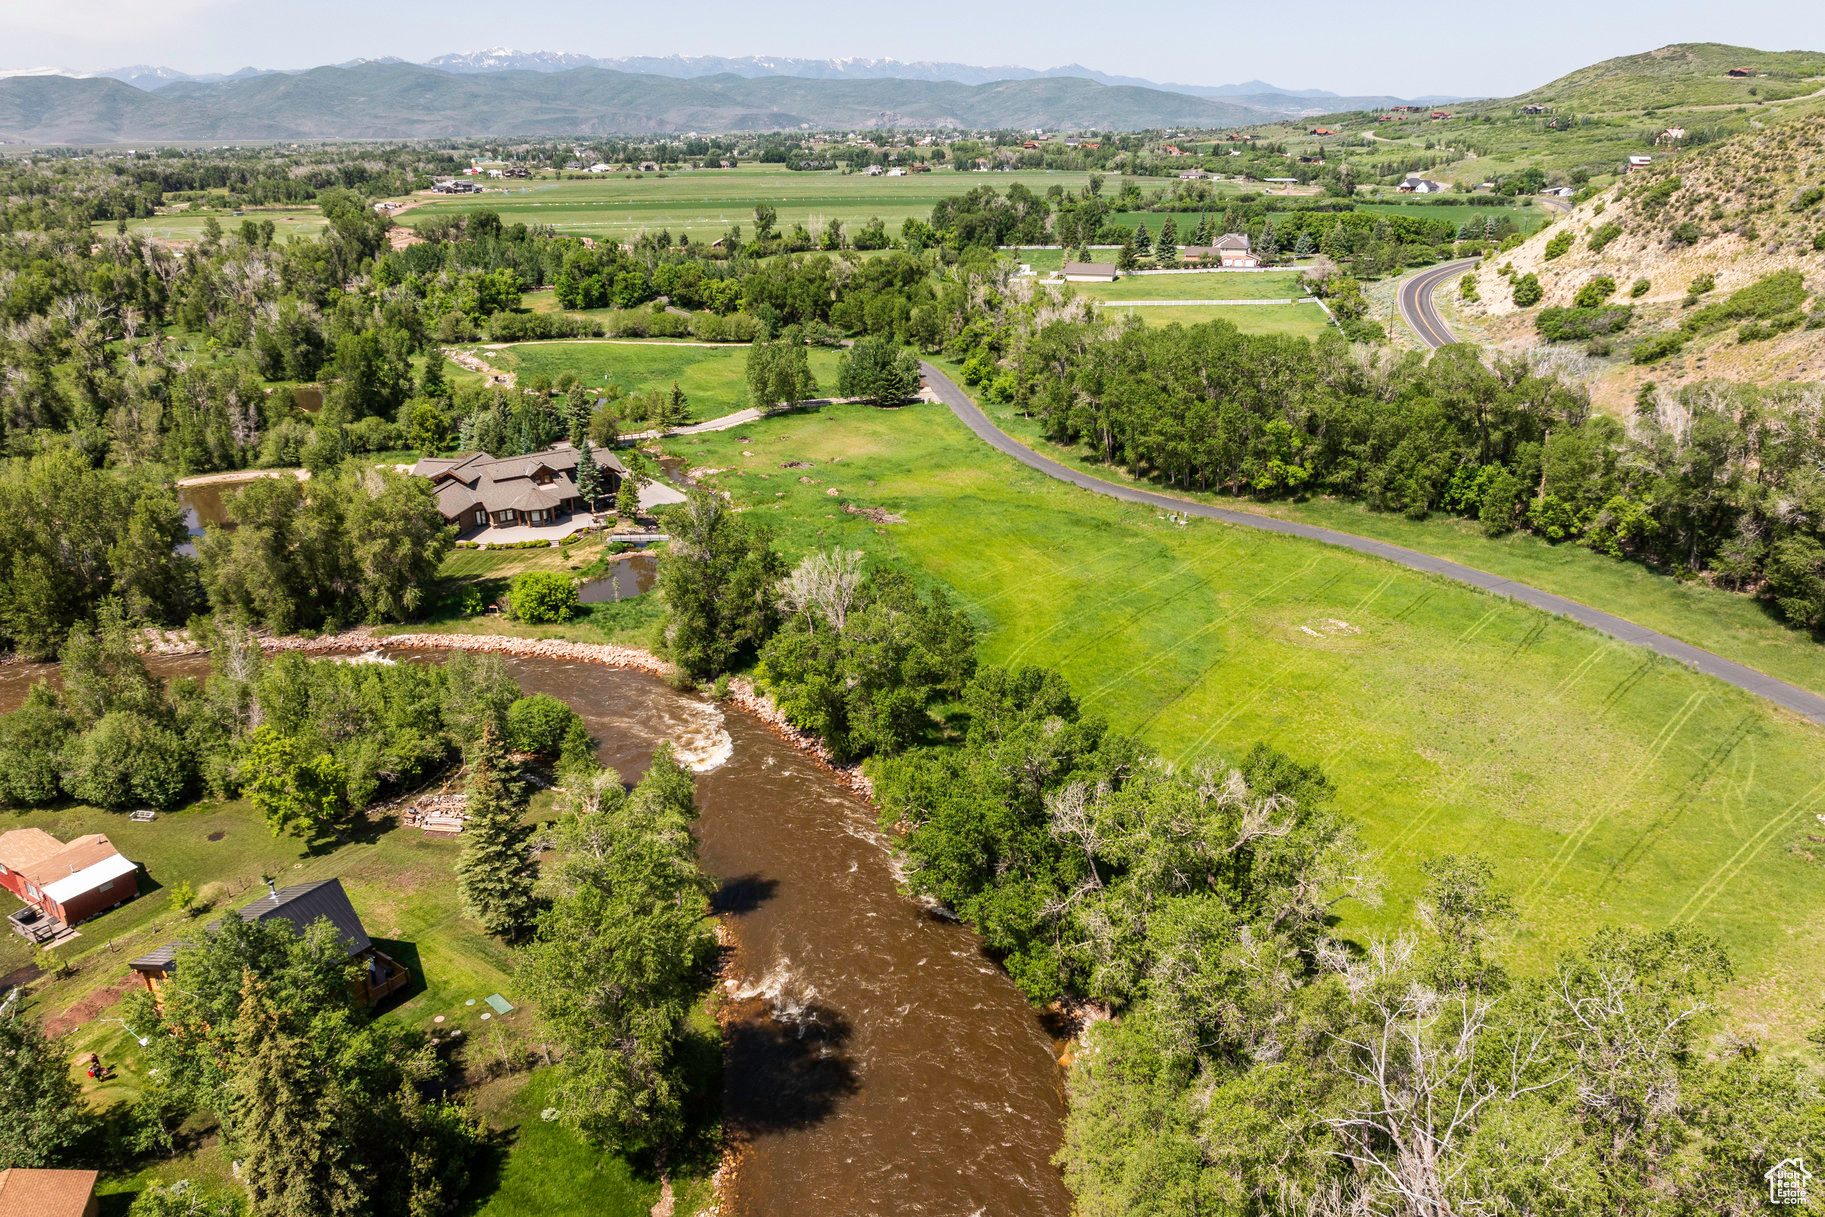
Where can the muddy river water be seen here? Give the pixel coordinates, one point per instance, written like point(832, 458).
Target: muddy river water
point(878, 1062)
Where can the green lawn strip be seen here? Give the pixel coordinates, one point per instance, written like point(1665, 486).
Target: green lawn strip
point(1737, 627)
point(1294, 320)
point(714, 378)
point(1607, 785)
point(1199, 285)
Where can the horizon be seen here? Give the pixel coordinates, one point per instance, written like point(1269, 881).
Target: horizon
point(1432, 52)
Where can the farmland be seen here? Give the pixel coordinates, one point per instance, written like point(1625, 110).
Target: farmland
point(712, 377)
point(1202, 285)
point(1295, 320)
point(705, 203)
point(1610, 786)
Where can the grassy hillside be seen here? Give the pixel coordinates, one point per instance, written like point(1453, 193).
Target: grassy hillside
point(1685, 74)
point(396, 100)
point(1746, 216)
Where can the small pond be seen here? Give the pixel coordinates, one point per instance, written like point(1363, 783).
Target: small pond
point(628, 576)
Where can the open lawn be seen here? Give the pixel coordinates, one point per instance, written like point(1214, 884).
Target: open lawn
point(1606, 785)
point(1200, 285)
point(1296, 320)
point(712, 377)
point(705, 202)
point(185, 226)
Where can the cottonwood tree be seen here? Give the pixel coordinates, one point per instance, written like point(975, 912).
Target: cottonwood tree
point(718, 581)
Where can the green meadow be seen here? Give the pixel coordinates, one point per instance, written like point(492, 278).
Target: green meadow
point(712, 377)
point(1199, 285)
point(187, 226)
point(1294, 320)
point(705, 202)
point(1607, 785)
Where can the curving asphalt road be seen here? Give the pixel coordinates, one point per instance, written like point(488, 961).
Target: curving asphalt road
point(1417, 308)
point(1789, 696)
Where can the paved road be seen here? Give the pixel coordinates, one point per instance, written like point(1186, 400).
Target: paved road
point(1416, 307)
point(1801, 701)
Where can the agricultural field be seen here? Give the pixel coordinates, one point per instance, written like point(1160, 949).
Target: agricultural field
point(1528, 216)
point(184, 227)
point(705, 202)
point(1293, 320)
point(1199, 285)
point(713, 377)
point(1607, 785)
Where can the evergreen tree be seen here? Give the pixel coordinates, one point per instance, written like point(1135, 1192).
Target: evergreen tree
point(491, 872)
point(42, 1113)
point(1268, 248)
point(433, 384)
point(589, 477)
point(627, 499)
point(1143, 241)
point(295, 1156)
point(1166, 249)
point(1130, 254)
point(1201, 234)
point(1304, 248)
point(577, 409)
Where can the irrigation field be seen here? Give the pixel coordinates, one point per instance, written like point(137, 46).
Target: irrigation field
point(705, 202)
point(1605, 784)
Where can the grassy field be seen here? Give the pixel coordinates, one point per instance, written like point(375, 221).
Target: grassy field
point(1296, 320)
point(1607, 785)
point(712, 377)
point(186, 226)
point(1202, 285)
point(704, 203)
point(1527, 218)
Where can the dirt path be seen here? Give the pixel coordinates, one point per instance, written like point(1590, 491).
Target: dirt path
point(241, 475)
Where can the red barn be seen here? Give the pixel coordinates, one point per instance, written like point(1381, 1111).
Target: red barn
point(63, 884)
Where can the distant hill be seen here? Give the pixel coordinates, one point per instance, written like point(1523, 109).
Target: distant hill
point(396, 100)
point(1684, 74)
point(1736, 212)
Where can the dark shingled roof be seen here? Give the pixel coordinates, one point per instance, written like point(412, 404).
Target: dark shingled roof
point(302, 905)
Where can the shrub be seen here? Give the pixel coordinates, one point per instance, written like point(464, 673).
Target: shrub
point(539, 723)
point(541, 596)
point(1818, 239)
point(1640, 288)
point(1595, 292)
point(1808, 198)
point(1575, 324)
point(1685, 234)
point(1702, 284)
point(1527, 290)
point(1467, 288)
point(127, 760)
point(1559, 245)
point(1658, 346)
point(1603, 235)
point(1361, 329)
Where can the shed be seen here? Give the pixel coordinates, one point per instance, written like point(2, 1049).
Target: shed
point(45, 1193)
point(65, 883)
point(1090, 272)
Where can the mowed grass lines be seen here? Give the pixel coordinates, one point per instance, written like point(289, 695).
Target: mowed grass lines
point(1607, 785)
point(713, 378)
point(1200, 285)
point(704, 203)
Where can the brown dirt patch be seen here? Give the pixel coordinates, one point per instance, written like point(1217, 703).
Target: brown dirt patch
point(89, 1008)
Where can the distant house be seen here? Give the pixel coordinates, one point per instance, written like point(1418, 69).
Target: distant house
point(1420, 185)
point(1192, 175)
point(1326, 131)
point(896, 171)
point(920, 167)
point(1440, 115)
point(1559, 192)
point(874, 171)
point(43, 1193)
point(1234, 249)
point(303, 906)
point(1740, 72)
point(1638, 162)
point(601, 167)
point(1172, 150)
point(649, 167)
point(1386, 118)
point(1533, 109)
point(1197, 253)
point(479, 490)
point(62, 884)
point(1031, 144)
point(1089, 272)
point(1672, 135)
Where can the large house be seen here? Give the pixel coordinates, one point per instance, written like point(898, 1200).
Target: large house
point(1419, 185)
point(303, 905)
point(1234, 249)
point(479, 490)
point(62, 884)
point(25, 1192)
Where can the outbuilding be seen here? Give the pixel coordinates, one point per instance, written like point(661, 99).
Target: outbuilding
point(1089, 272)
point(62, 884)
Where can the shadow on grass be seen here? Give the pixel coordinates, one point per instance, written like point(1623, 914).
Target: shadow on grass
point(405, 954)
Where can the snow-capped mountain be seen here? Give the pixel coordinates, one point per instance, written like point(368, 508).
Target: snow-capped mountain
point(505, 59)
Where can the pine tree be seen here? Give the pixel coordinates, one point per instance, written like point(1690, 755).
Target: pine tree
point(1304, 247)
point(1269, 246)
point(1130, 255)
point(1143, 242)
point(589, 477)
point(577, 410)
point(433, 384)
point(41, 1109)
point(1201, 236)
point(295, 1160)
point(1166, 249)
point(492, 877)
point(627, 499)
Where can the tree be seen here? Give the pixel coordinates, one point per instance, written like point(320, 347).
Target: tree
point(616, 965)
point(540, 724)
point(42, 1112)
point(1143, 243)
point(717, 581)
point(541, 596)
point(779, 373)
point(493, 877)
point(296, 786)
point(765, 217)
point(627, 499)
point(1129, 256)
point(1461, 902)
point(1269, 245)
point(1166, 249)
point(876, 369)
point(589, 477)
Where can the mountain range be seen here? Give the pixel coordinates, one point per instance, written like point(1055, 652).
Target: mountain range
point(377, 100)
point(1271, 101)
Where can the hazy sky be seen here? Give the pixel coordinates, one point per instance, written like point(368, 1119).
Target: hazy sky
point(1415, 47)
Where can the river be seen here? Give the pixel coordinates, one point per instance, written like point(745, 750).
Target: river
point(876, 1061)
